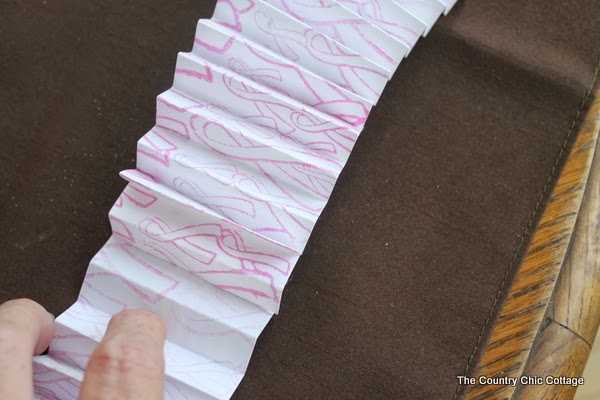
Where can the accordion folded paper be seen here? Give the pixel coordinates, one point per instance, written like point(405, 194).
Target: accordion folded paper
point(229, 183)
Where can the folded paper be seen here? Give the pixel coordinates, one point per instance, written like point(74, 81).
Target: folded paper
point(229, 183)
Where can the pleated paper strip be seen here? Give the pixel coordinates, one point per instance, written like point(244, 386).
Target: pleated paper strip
point(229, 183)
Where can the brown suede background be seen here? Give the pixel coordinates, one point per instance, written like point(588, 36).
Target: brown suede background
point(393, 290)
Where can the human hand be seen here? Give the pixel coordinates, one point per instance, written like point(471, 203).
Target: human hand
point(128, 364)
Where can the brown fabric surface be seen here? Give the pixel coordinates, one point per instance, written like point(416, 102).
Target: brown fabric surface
point(390, 297)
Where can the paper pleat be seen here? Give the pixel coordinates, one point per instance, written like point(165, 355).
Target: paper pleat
point(229, 183)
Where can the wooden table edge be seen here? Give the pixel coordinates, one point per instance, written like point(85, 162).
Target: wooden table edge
point(549, 319)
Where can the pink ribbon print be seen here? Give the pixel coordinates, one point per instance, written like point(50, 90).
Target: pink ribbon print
point(229, 183)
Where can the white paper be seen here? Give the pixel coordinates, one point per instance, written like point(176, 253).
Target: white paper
point(448, 4)
point(229, 183)
point(428, 11)
point(345, 27)
point(390, 17)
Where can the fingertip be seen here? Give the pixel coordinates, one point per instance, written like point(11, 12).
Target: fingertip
point(129, 361)
point(25, 330)
point(46, 332)
point(142, 321)
point(134, 313)
point(26, 316)
point(23, 304)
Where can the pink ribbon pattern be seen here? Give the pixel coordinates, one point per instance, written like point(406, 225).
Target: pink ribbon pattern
point(229, 183)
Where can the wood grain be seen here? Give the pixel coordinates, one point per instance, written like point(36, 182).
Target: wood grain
point(520, 323)
point(576, 302)
point(560, 353)
point(574, 311)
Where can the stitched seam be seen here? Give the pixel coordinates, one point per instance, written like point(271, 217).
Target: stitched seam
point(528, 226)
